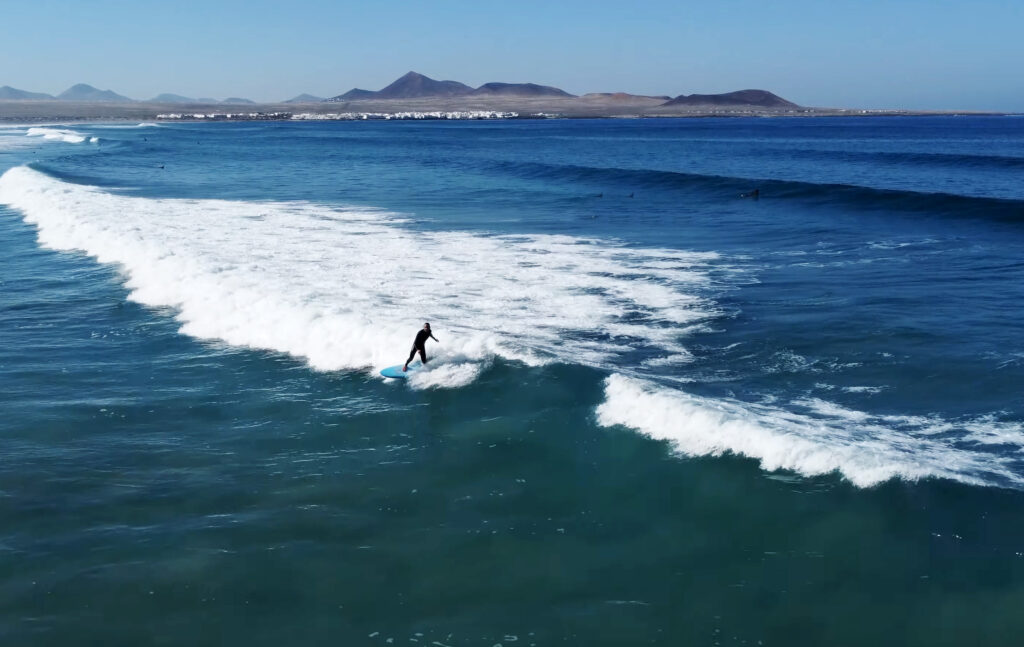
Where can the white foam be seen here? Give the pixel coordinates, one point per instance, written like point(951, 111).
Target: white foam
point(348, 288)
point(448, 375)
point(813, 437)
point(864, 389)
point(57, 134)
point(671, 360)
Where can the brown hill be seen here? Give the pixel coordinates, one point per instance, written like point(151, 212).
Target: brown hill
point(355, 94)
point(519, 90)
point(410, 86)
point(759, 98)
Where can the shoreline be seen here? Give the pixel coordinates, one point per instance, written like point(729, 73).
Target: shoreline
point(38, 112)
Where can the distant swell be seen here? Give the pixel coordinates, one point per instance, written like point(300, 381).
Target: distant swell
point(940, 160)
point(846, 195)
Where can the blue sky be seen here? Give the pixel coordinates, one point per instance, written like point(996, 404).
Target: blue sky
point(938, 54)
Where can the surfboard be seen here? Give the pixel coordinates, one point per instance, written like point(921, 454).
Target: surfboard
point(396, 371)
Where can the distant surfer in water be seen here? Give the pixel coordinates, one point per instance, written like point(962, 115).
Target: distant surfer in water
point(420, 345)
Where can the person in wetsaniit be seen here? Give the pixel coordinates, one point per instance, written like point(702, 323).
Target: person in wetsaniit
point(420, 345)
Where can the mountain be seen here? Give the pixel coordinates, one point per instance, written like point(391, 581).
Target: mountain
point(414, 85)
point(171, 98)
point(355, 94)
point(519, 90)
point(417, 86)
point(304, 98)
point(411, 86)
point(85, 92)
point(7, 92)
point(759, 98)
point(237, 100)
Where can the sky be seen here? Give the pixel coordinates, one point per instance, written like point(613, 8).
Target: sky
point(913, 54)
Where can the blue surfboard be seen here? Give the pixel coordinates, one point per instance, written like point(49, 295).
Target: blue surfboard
point(397, 372)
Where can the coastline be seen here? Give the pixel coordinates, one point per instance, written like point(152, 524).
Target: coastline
point(49, 111)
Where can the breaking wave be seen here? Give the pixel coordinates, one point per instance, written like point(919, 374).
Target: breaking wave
point(815, 437)
point(346, 288)
point(60, 134)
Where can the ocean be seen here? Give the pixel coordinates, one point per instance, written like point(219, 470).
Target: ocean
point(661, 410)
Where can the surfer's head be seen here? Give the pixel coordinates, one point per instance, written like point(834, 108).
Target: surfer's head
point(426, 326)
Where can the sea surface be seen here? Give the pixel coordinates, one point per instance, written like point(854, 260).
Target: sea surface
point(659, 413)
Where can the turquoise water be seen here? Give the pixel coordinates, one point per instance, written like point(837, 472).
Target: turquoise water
point(658, 413)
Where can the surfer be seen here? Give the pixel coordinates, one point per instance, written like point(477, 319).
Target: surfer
point(420, 345)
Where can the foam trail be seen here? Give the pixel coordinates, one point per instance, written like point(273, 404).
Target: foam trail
point(59, 134)
point(814, 437)
point(347, 288)
point(448, 375)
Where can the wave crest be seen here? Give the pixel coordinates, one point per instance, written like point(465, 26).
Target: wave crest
point(348, 288)
point(59, 134)
point(816, 438)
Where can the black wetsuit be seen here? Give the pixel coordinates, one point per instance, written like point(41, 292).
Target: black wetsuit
point(420, 345)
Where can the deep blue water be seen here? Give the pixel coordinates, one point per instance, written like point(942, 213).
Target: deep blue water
point(659, 412)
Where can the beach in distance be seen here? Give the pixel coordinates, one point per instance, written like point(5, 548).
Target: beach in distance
point(719, 381)
point(414, 95)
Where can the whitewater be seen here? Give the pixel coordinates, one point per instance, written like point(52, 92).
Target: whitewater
point(341, 287)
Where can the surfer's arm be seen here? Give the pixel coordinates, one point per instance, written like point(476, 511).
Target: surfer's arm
point(434, 338)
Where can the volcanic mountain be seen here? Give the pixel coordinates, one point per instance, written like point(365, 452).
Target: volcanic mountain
point(304, 98)
point(85, 92)
point(355, 94)
point(411, 86)
point(759, 98)
point(167, 97)
point(7, 92)
point(519, 90)
point(417, 86)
